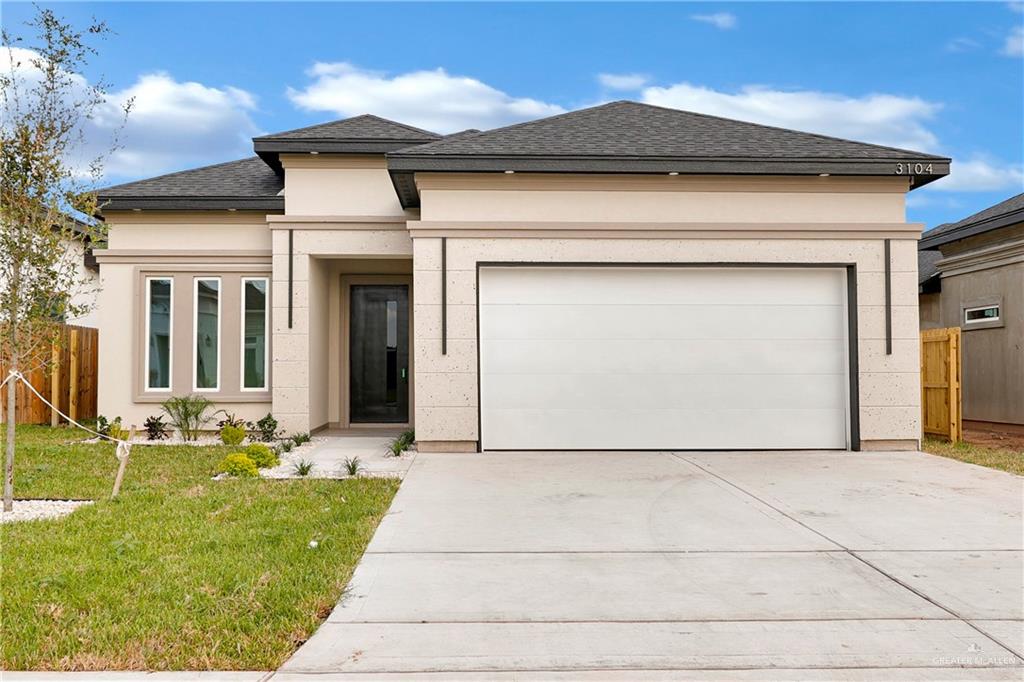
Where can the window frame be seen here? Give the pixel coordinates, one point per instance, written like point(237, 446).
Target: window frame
point(982, 320)
point(170, 335)
point(266, 336)
point(195, 330)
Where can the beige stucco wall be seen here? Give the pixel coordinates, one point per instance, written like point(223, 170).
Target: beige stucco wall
point(222, 242)
point(319, 185)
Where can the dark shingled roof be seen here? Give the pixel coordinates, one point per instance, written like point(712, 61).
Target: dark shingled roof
point(628, 137)
point(926, 269)
point(366, 134)
point(1003, 214)
point(244, 184)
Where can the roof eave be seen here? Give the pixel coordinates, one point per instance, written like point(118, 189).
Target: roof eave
point(404, 166)
point(186, 203)
point(270, 148)
point(980, 227)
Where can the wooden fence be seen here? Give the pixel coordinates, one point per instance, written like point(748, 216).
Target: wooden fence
point(940, 383)
point(68, 380)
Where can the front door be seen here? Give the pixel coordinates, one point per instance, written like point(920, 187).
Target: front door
point(379, 354)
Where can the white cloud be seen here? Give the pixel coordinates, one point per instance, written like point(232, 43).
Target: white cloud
point(721, 20)
point(623, 81)
point(172, 124)
point(981, 174)
point(1014, 44)
point(891, 120)
point(962, 44)
point(177, 124)
point(435, 100)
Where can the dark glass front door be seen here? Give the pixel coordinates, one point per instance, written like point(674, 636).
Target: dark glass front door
point(379, 354)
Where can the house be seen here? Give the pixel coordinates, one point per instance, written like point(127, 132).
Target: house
point(619, 277)
point(972, 277)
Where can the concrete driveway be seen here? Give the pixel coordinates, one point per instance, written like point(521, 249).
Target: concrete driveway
point(599, 566)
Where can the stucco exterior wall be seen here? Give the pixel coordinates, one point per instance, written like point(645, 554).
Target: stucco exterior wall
point(318, 185)
point(174, 244)
point(446, 385)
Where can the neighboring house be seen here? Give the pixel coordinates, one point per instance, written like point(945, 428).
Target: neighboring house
point(619, 277)
point(972, 276)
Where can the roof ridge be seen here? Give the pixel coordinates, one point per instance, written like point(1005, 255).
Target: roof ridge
point(178, 172)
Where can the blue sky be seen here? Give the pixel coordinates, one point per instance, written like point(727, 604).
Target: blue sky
point(945, 78)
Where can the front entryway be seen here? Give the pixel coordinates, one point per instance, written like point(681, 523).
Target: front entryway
point(379, 354)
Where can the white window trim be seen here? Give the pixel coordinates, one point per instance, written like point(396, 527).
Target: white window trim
point(982, 320)
point(266, 339)
point(170, 336)
point(195, 330)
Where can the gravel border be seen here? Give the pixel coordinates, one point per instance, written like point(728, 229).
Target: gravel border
point(33, 510)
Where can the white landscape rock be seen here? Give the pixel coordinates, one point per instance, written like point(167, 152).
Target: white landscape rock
point(32, 510)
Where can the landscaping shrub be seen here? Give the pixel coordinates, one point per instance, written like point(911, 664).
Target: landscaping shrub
point(111, 429)
point(232, 435)
point(231, 420)
point(300, 438)
point(156, 428)
point(286, 446)
point(238, 464)
point(353, 466)
point(189, 414)
point(262, 455)
point(266, 428)
point(302, 467)
point(408, 437)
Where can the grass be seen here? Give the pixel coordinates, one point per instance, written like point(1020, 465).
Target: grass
point(180, 572)
point(992, 457)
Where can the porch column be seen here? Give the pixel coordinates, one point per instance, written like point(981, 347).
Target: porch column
point(290, 374)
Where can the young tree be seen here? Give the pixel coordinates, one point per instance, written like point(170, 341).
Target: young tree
point(49, 164)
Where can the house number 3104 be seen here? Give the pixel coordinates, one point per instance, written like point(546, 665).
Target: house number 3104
point(913, 168)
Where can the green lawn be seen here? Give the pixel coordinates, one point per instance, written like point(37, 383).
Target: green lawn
point(983, 455)
point(180, 572)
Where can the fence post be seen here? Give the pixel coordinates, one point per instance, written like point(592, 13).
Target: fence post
point(123, 451)
point(73, 378)
point(54, 383)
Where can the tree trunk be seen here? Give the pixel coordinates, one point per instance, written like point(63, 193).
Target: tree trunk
point(9, 463)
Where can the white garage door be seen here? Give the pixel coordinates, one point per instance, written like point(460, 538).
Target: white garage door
point(623, 358)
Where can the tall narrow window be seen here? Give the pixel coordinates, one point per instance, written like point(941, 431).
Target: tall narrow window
point(159, 320)
point(254, 333)
point(206, 360)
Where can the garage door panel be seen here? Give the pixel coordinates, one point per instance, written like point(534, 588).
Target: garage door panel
point(660, 357)
point(643, 429)
point(672, 321)
point(652, 391)
point(597, 285)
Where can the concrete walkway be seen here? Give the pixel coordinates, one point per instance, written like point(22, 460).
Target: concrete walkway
point(657, 566)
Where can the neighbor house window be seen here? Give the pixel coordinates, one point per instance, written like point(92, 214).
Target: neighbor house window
point(206, 360)
point(987, 313)
point(255, 308)
point(159, 321)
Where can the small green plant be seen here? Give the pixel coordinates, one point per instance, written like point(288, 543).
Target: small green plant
point(103, 425)
point(265, 429)
point(262, 455)
point(353, 466)
point(302, 467)
point(286, 446)
point(232, 435)
point(231, 420)
point(188, 414)
point(300, 438)
point(238, 464)
point(401, 443)
point(156, 428)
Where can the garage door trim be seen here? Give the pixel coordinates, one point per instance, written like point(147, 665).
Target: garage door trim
point(853, 400)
